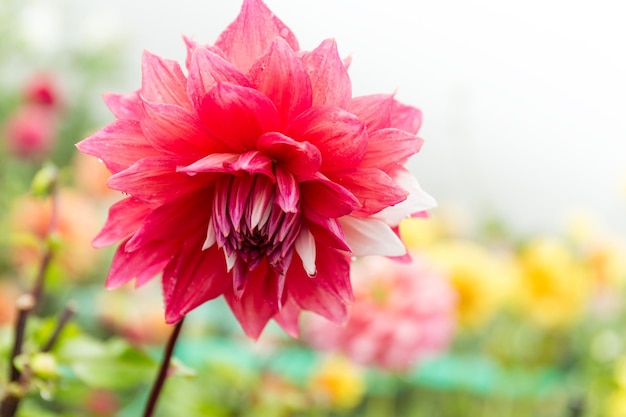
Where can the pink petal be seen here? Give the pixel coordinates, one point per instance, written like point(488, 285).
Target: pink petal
point(279, 74)
point(174, 221)
point(193, 277)
point(163, 81)
point(252, 162)
point(288, 318)
point(371, 237)
point(379, 111)
point(329, 292)
point(405, 117)
point(329, 77)
point(340, 137)
point(372, 187)
point(238, 115)
point(299, 158)
point(155, 180)
point(125, 217)
point(207, 69)
point(389, 148)
point(326, 231)
point(251, 34)
point(252, 310)
point(328, 198)
point(174, 130)
point(287, 191)
point(141, 265)
point(119, 145)
point(373, 110)
point(124, 106)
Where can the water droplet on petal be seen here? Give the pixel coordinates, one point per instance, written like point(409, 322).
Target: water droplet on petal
point(313, 275)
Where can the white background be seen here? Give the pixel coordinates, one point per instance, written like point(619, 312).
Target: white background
point(524, 102)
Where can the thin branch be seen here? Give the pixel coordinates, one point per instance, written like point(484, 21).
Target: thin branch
point(165, 363)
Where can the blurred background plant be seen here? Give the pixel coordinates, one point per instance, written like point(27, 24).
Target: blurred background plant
point(481, 323)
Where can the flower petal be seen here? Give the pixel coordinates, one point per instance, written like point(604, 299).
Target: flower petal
point(405, 117)
point(119, 145)
point(141, 265)
point(374, 110)
point(340, 137)
point(238, 115)
point(371, 237)
point(330, 291)
point(163, 81)
point(374, 189)
point(207, 69)
point(389, 148)
point(288, 318)
point(251, 33)
point(379, 111)
point(329, 77)
point(174, 221)
point(279, 74)
point(299, 158)
point(125, 217)
point(193, 277)
point(288, 192)
point(328, 198)
point(172, 129)
point(154, 180)
point(305, 247)
point(416, 203)
point(327, 231)
point(252, 162)
point(252, 310)
point(124, 106)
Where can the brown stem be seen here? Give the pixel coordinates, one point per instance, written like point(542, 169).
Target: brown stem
point(165, 363)
point(24, 304)
point(66, 315)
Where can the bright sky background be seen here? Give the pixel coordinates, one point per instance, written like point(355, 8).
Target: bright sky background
point(524, 102)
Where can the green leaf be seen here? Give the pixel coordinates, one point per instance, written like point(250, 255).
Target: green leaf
point(111, 365)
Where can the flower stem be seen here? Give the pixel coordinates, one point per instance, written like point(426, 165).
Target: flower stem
point(8, 407)
point(65, 317)
point(165, 363)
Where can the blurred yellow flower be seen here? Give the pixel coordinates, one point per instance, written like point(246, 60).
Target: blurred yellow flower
point(482, 279)
point(420, 232)
point(338, 382)
point(554, 283)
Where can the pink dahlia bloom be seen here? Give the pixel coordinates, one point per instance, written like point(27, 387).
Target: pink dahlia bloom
point(255, 175)
point(31, 132)
point(402, 313)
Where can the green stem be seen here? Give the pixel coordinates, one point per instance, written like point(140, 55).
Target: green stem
point(165, 364)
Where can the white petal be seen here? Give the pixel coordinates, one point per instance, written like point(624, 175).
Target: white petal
point(371, 237)
point(210, 236)
point(230, 259)
point(417, 200)
point(305, 247)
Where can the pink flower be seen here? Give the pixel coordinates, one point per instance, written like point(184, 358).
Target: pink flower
point(402, 313)
point(255, 176)
point(41, 89)
point(31, 131)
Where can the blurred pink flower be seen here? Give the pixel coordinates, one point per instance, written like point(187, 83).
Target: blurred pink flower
point(402, 312)
point(41, 89)
point(258, 154)
point(31, 131)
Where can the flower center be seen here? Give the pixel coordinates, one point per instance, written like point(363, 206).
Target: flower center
point(249, 226)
